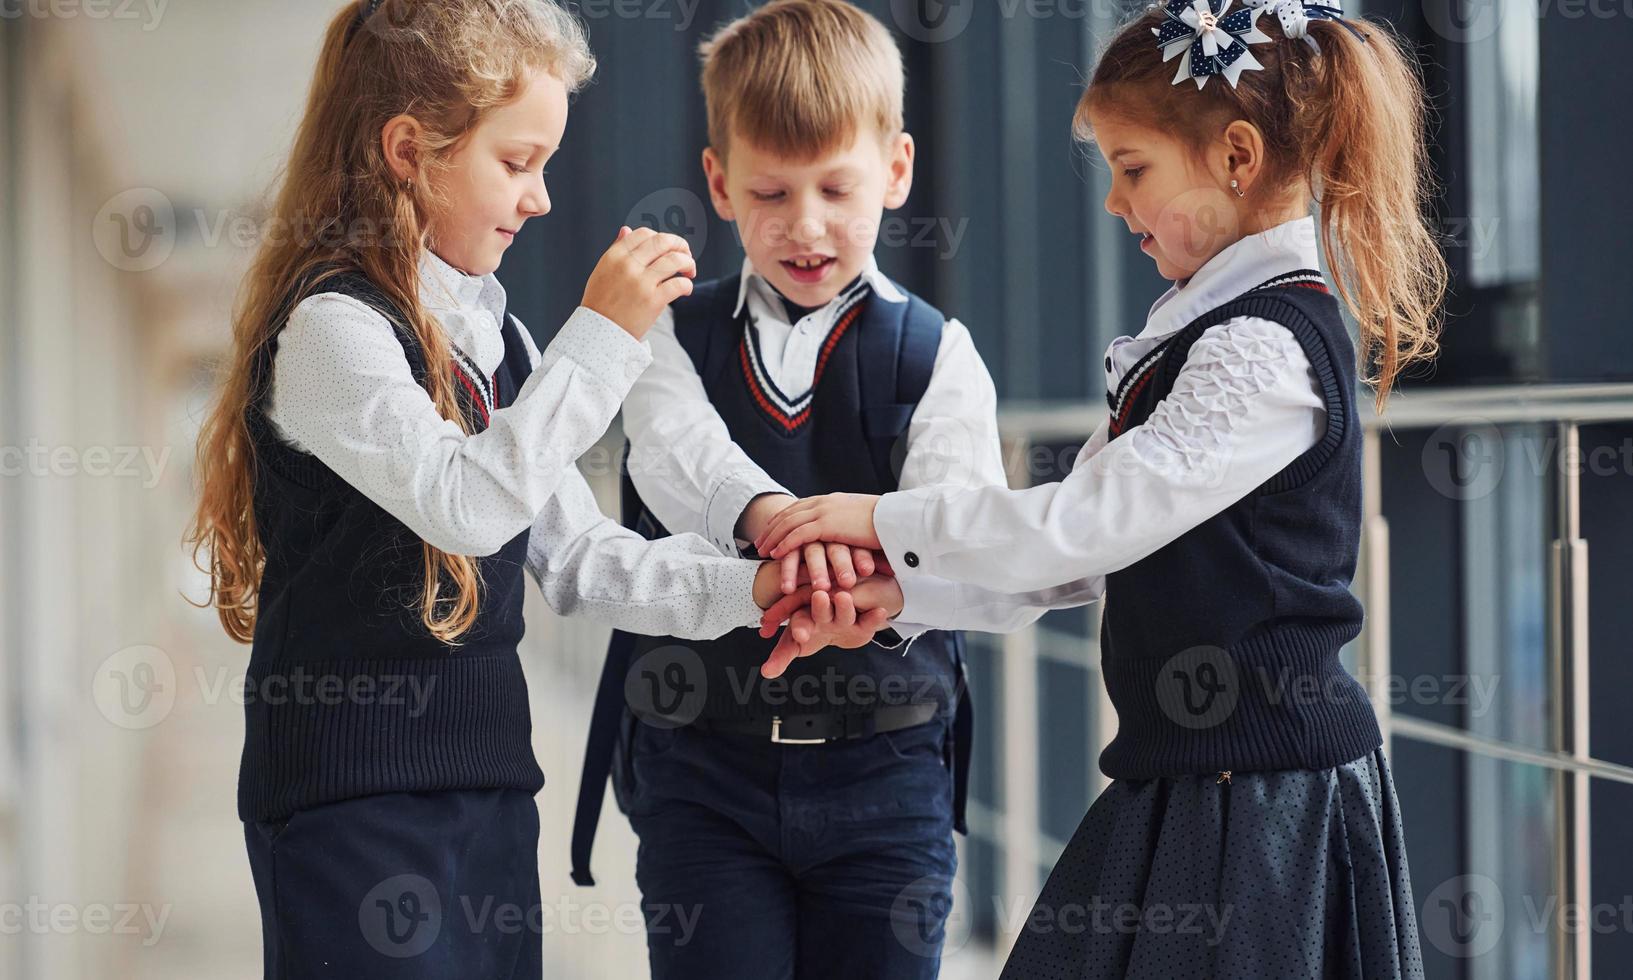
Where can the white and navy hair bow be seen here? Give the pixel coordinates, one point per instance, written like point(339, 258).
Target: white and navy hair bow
point(1213, 42)
point(1295, 17)
point(1210, 41)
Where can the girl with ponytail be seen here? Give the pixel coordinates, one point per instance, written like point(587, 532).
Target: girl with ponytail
point(1251, 827)
point(388, 453)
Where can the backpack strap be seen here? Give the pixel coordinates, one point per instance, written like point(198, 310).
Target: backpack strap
point(897, 349)
point(704, 326)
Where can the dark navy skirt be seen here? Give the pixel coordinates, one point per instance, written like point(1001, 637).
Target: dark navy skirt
point(1298, 873)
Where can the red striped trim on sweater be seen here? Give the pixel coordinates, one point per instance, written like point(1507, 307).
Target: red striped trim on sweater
point(792, 423)
point(476, 396)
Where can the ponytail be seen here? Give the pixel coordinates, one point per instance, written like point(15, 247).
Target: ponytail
point(1349, 120)
point(1369, 118)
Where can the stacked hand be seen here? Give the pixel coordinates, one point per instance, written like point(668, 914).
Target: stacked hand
point(641, 274)
point(836, 591)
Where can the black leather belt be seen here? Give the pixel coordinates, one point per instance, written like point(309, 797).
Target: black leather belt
point(816, 729)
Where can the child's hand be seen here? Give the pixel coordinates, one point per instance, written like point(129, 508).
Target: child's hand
point(843, 619)
point(825, 566)
point(839, 518)
point(768, 585)
point(643, 272)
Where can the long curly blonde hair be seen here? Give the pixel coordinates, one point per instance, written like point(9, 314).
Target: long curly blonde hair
point(447, 63)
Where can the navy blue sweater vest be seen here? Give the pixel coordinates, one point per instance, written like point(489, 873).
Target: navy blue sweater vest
point(1221, 649)
point(843, 440)
point(348, 694)
point(850, 435)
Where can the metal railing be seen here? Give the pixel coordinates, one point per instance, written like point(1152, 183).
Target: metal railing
point(1014, 827)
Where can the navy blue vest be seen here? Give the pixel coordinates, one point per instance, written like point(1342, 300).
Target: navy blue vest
point(1220, 650)
point(849, 437)
point(348, 694)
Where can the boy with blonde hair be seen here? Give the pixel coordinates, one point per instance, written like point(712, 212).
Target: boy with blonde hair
point(805, 822)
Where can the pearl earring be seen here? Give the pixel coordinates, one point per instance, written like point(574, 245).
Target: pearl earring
point(1236, 187)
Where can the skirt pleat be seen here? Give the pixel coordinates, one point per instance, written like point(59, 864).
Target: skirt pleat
point(1298, 873)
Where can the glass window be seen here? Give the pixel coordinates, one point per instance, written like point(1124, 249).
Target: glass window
point(1501, 97)
point(1483, 903)
point(1502, 692)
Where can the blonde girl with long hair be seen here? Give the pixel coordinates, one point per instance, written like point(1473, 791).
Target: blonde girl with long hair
point(388, 453)
point(1251, 827)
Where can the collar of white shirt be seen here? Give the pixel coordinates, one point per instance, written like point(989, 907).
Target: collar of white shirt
point(752, 284)
point(1239, 267)
point(468, 307)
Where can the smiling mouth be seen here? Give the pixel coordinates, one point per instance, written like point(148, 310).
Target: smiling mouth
point(809, 269)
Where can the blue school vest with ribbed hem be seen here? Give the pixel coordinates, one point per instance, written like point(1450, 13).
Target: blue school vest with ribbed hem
point(348, 695)
point(848, 436)
point(1220, 650)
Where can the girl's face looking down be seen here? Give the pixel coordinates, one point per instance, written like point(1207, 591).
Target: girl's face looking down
point(493, 181)
point(1183, 213)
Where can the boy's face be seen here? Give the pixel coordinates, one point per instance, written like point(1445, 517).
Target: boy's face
point(809, 226)
point(1166, 195)
point(495, 180)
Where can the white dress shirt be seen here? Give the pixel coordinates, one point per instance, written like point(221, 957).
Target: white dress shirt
point(342, 390)
point(695, 478)
point(1246, 404)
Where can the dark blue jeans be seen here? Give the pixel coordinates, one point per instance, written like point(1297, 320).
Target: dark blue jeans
point(422, 886)
point(762, 861)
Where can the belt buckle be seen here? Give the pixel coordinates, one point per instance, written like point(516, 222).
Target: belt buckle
point(776, 735)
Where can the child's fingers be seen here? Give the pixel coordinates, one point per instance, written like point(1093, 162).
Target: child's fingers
point(817, 561)
point(781, 656)
point(798, 537)
point(672, 264)
point(629, 238)
point(862, 562)
point(839, 563)
point(782, 610)
point(672, 289)
point(802, 626)
point(844, 610)
point(657, 246)
point(874, 620)
point(822, 608)
point(790, 573)
point(791, 515)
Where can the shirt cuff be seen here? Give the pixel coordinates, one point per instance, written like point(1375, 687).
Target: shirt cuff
point(898, 520)
point(736, 587)
point(602, 348)
point(726, 504)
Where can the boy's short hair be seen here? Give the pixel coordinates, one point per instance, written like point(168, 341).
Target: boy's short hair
point(800, 78)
